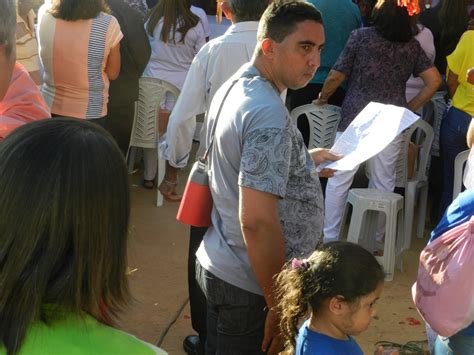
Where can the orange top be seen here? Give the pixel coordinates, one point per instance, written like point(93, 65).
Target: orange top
point(74, 56)
point(22, 103)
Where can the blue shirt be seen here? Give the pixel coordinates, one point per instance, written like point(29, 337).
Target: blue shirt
point(459, 212)
point(313, 343)
point(340, 18)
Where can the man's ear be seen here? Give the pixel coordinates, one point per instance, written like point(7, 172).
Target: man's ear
point(268, 47)
point(337, 305)
point(226, 11)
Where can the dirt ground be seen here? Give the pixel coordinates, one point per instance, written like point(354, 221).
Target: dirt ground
point(157, 259)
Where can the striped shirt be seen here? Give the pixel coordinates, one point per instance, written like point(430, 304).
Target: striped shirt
point(74, 55)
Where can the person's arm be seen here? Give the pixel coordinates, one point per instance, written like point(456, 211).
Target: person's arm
point(112, 68)
point(452, 83)
point(333, 81)
point(432, 80)
point(182, 123)
point(263, 236)
point(470, 134)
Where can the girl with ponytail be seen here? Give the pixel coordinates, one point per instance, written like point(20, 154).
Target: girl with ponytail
point(332, 293)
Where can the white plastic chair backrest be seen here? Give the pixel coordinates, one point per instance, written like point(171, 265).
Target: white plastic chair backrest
point(323, 122)
point(151, 92)
point(459, 164)
point(439, 106)
point(421, 166)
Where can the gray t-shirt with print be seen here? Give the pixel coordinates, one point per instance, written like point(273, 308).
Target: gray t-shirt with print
point(257, 146)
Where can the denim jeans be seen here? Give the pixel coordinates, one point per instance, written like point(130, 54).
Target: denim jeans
point(453, 141)
point(454, 345)
point(235, 317)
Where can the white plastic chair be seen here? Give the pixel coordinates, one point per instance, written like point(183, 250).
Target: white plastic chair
point(323, 122)
point(433, 113)
point(459, 164)
point(418, 183)
point(366, 204)
point(145, 130)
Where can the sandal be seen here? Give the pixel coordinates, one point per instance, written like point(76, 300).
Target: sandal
point(148, 184)
point(170, 196)
point(410, 348)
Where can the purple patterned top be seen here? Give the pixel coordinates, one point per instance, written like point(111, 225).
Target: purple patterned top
point(377, 70)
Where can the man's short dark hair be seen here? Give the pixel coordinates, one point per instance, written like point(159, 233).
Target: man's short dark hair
point(247, 10)
point(281, 18)
point(7, 25)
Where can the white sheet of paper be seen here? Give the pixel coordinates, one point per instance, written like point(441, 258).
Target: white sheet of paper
point(369, 133)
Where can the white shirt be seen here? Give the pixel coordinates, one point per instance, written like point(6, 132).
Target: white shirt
point(216, 62)
point(425, 38)
point(171, 61)
point(203, 17)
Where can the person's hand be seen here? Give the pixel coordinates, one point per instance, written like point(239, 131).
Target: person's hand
point(320, 102)
point(381, 351)
point(320, 155)
point(272, 339)
point(326, 173)
point(470, 76)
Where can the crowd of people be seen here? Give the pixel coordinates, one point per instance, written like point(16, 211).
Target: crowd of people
point(270, 274)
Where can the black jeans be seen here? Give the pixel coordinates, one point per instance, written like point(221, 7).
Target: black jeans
point(197, 300)
point(235, 317)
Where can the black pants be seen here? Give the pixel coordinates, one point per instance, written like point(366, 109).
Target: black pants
point(197, 300)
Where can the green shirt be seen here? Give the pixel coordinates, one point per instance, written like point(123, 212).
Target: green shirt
point(73, 335)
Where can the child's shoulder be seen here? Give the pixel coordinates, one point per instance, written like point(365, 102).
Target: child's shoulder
point(313, 343)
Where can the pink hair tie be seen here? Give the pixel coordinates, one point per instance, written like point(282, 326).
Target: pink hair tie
point(299, 264)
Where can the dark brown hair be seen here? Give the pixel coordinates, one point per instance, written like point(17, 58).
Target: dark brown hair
point(72, 10)
point(281, 18)
point(454, 19)
point(64, 210)
point(177, 17)
point(392, 22)
point(337, 269)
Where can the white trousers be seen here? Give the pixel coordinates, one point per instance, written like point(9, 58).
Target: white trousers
point(382, 177)
point(150, 163)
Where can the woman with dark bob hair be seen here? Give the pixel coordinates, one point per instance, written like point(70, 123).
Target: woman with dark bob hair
point(377, 62)
point(64, 210)
point(80, 50)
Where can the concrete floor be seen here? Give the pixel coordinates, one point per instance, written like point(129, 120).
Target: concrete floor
point(160, 314)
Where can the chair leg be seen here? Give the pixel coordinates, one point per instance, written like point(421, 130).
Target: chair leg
point(343, 220)
point(420, 231)
point(399, 247)
point(355, 225)
point(389, 247)
point(132, 151)
point(160, 176)
point(410, 199)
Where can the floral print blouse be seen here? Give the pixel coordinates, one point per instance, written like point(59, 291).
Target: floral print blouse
point(377, 70)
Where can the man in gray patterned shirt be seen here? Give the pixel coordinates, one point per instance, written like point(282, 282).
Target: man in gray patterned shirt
point(268, 204)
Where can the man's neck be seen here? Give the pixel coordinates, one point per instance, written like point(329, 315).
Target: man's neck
point(266, 70)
